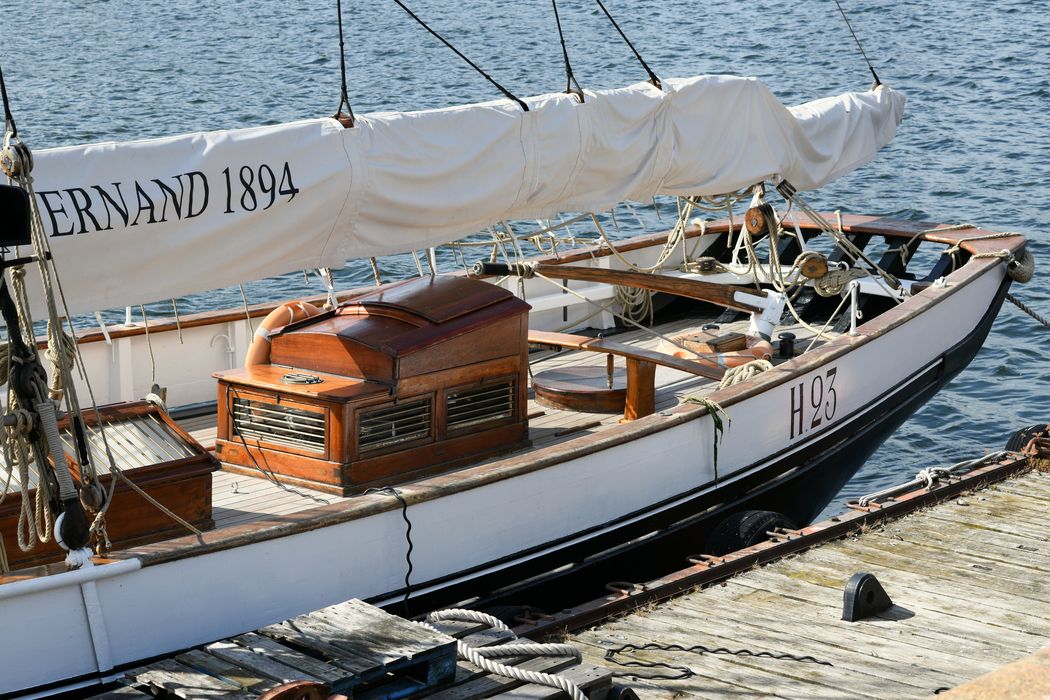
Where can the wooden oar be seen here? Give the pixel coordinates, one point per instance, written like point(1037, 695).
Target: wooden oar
point(720, 294)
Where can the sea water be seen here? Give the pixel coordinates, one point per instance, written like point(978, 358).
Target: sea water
point(974, 146)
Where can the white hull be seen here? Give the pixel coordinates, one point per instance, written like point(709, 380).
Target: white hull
point(88, 622)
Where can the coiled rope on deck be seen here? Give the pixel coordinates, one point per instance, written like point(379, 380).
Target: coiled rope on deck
point(479, 655)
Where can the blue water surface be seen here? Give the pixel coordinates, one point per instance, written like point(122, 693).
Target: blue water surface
point(975, 145)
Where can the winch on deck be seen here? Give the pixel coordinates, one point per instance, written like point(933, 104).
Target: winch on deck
point(412, 378)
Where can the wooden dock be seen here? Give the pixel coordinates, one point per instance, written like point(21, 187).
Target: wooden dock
point(353, 650)
point(968, 578)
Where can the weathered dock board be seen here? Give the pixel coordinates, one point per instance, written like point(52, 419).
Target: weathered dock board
point(970, 583)
point(356, 650)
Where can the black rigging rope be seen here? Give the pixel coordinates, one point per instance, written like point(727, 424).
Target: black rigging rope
point(652, 76)
point(571, 86)
point(343, 98)
point(486, 76)
point(9, 119)
point(862, 53)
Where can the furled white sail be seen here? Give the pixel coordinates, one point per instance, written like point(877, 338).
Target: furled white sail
point(148, 220)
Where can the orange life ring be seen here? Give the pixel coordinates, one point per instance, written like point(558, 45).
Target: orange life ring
point(259, 352)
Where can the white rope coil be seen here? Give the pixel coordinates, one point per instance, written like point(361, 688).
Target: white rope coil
point(478, 655)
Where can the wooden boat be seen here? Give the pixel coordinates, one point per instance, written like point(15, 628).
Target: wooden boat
point(461, 408)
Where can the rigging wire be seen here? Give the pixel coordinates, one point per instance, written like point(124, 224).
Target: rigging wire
point(443, 40)
point(862, 52)
point(9, 119)
point(343, 98)
point(652, 76)
point(571, 86)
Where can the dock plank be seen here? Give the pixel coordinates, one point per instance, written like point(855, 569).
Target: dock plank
point(310, 666)
point(260, 664)
point(170, 676)
point(969, 579)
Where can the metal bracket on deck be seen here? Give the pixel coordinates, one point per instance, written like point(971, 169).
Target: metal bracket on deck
point(863, 597)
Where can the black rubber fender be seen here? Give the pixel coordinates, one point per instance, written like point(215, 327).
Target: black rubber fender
point(1019, 440)
point(745, 529)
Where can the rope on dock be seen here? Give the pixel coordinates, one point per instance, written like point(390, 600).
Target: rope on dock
point(929, 476)
point(477, 655)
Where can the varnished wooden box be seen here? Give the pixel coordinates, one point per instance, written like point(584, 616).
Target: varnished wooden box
point(168, 464)
point(415, 377)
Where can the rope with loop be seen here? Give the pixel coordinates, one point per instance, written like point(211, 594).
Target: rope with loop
point(652, 76)
point(572, 87)
point(790, 194)
point(926, 478)
point(479, 656)
point(862, 52)
point(344, 100)
point(443, 40)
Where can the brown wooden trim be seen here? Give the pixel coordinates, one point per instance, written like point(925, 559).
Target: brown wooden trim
point(720, 294)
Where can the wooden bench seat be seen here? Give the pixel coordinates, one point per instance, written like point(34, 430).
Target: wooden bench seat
point(641, 366)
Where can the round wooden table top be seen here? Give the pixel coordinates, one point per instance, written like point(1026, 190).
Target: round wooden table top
point(582, 389)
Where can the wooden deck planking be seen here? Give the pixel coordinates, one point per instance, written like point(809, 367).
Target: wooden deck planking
point(967, 578)
point(239, 499)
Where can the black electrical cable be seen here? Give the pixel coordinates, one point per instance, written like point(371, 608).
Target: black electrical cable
point(571, 86)
point(343, 98)
point(686, 672)
point(9, 119)
point(652, 76)
point(408, 538)
point(443, 40)
point(862, 53)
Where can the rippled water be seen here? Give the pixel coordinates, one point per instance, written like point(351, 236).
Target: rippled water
point(975, 145)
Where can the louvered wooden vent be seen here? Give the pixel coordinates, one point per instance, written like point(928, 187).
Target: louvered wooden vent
point(279, 424)
point(386, 426)
point(487, 404)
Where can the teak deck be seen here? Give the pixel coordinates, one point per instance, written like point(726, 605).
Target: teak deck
point(968, 579)
point(239, 499)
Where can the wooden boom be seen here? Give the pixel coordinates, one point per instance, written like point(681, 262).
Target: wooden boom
point(720, 294)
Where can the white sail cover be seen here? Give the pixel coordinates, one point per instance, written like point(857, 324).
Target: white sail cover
point(149, 220)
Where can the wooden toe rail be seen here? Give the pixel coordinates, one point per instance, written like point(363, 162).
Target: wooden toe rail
point(641, 366)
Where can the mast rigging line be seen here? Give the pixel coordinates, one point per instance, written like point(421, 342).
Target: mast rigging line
point(862, 52)
point(343, 98)
point(652, 76)
point(443, 40)
point(9, 119)
point(572, 87)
